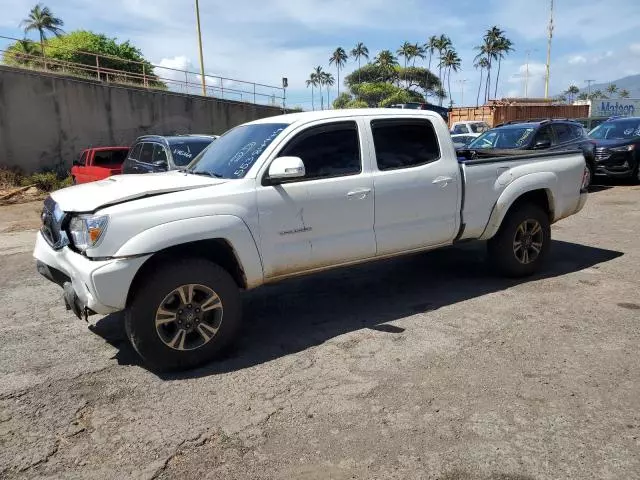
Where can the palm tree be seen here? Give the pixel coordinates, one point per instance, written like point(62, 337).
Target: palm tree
point(24, 51)
point(491, 49)
point(451, 61)
point(313, 83)
point(419, 51)
point(504, 46)
point(386, 60)
point(597, 94)
point(319, 76)
point(443, 43)
point(406, 51)
point(488, 51)
point(481, 63)
point(339, 58)
point(431, 47)
point(583, 96)
point(572, 91)
point(329, 81)
point(358, 52)
point(612, 88)
point(41, 19)
point(624, 93)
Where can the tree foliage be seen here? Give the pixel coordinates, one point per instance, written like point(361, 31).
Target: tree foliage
point(81, 47)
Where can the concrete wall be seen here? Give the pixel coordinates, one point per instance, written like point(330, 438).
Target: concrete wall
point(46, 120)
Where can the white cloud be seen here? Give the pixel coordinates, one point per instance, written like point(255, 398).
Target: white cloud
point(634, 48)
point(577, 60)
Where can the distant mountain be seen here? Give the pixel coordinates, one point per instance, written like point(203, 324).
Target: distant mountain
point(631, 83)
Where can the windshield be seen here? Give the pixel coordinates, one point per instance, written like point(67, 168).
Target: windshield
point(478, 127)
point(618, 130)
point(507, 138)
point(235, 152)
point(185, 151)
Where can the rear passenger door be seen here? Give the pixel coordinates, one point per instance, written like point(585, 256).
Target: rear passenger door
point(416, 185)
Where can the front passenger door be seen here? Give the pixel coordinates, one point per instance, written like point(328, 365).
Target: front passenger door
point(131, 163)
point(326, 217)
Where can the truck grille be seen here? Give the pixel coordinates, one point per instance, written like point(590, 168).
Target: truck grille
point(52, 217)
point(602, 153)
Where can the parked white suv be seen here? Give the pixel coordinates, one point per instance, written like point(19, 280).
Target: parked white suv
point(286, 196)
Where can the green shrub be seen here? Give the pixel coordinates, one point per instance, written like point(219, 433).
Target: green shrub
point(46, 181)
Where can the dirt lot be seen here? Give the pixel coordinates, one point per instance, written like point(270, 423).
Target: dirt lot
point(423, 367)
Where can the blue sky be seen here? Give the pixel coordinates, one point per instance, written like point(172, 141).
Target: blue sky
point(263, 41)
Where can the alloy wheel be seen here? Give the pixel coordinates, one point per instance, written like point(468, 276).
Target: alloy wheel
point(527, 242)
point(189, 317)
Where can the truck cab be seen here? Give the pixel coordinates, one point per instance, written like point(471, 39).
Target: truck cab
point(98, 163)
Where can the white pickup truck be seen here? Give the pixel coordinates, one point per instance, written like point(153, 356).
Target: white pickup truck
point(286, 196)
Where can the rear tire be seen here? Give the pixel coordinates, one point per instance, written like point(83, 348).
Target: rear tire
point(522, 243)
point(184, 314)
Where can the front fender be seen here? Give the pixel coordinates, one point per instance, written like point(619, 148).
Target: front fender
point(546, 181)
point(226, 227)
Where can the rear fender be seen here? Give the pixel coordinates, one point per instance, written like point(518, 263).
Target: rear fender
point(546, 181)
point(226, 227)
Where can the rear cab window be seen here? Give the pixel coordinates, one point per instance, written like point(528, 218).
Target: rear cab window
point(83, 158)
point(404, 143)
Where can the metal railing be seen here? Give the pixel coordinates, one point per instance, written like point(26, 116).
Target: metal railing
point(144, 75)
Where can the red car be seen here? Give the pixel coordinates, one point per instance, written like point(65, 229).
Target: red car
point(98, 164)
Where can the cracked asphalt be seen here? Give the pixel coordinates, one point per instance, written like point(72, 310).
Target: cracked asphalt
point(421, 367)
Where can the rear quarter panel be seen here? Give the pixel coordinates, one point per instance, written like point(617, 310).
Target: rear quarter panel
point(492, 187)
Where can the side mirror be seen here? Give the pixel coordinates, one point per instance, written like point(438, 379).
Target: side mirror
point(543, 143)
point(285, 168)
point(161, 164)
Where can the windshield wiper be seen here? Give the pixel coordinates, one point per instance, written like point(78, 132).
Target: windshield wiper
point(204, 172)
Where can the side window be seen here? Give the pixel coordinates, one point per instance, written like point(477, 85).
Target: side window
point(83, 158)
point(460, 129)
point(577, 131)
point(327, 151)
point(146, 154)
point(134, 153)
point(159, 153)
point(102, 158)
point(404, 143)
point(544, 134)
point(563, 132)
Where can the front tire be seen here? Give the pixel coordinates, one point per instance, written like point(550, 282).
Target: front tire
point(522, 243)
point(184, 314)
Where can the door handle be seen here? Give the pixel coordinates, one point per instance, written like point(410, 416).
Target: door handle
point(442, 181)
point(359, 193)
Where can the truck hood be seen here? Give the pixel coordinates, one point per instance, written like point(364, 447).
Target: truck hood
point(619, 142)
point(89, 197)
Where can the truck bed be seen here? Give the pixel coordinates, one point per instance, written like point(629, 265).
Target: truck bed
point(487, 179)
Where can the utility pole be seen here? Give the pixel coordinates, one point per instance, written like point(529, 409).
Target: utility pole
point(526, 76)
point(462, 82)
point(546, 82)
point(589, 82)
point(204, 82)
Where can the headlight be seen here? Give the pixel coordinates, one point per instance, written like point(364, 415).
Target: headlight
point(626, 148)
point(87, 230)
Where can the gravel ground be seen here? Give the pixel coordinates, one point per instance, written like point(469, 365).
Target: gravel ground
point(421, 367)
